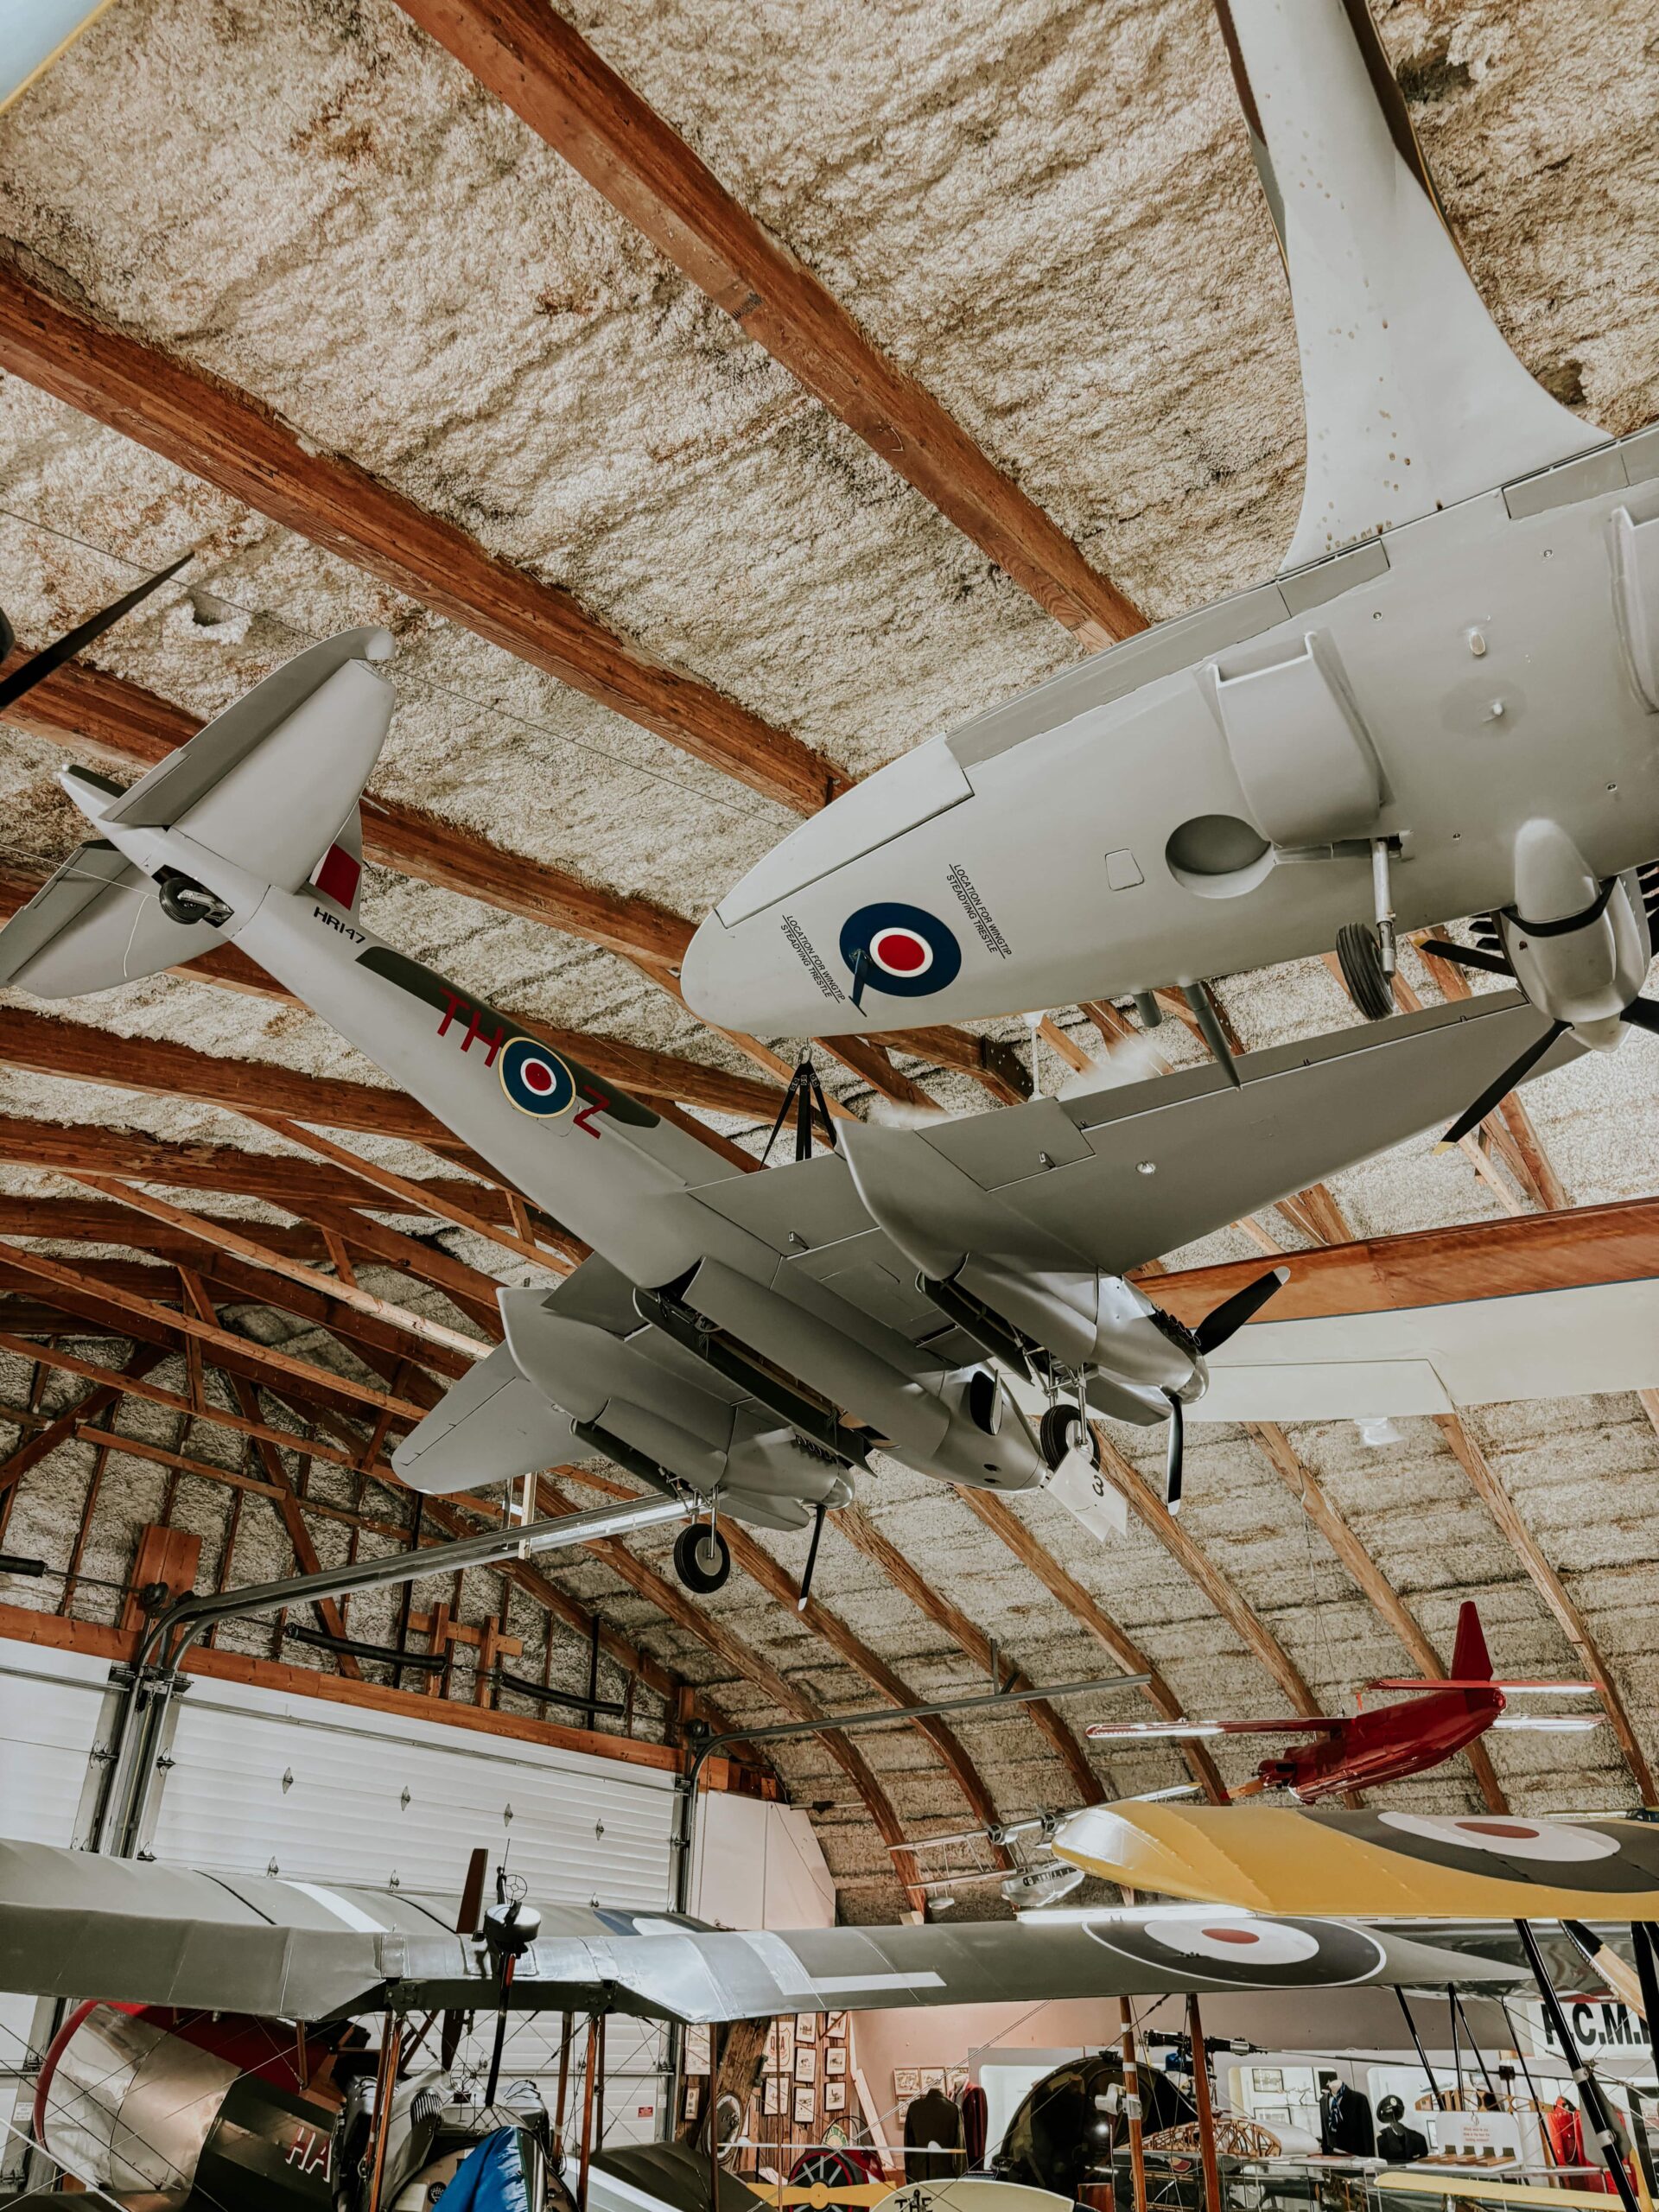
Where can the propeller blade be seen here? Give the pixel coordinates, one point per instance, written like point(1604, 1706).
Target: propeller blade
point(66, 647)
point(1174, 1464)
point(468, 1921)
point(1229, 1317)
point(1642, 1013)
point(1465, 956)
point(1496, 1093)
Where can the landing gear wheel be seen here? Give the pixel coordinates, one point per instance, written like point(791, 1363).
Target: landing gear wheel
point(1063, 1429)
point(702, 1558)
point(185, 902)
point(1360, 958)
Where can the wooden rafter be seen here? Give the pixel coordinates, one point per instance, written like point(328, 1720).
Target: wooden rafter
point(97, 1285)
point(86, 1408)
point(1005, 1525)
point(228, 438)
point(225, 1236)
point(743, 1660)
point(1177, 1541)
point(902, 1572)
point(1380, 1593)
point(533, 59)
point(1507, 1258)
point(1553, 1592)
point(759, 1564)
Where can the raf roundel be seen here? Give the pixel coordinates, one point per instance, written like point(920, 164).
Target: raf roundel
point(535, 1080)
point(902, 950)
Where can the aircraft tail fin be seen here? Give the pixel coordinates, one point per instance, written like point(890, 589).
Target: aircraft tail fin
point(1471, 1661)
point(272, 784)
point(1412, 398)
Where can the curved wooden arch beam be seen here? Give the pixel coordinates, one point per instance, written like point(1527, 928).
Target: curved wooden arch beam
point(1553, 1592)
point(759, 1564)
point(1010, 1530)
point(860, 1531)
point(1380, 1593)
point(226, 437)
point(733, 1653)
point(541, 67)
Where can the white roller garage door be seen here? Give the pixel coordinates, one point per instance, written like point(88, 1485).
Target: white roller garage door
point(50, 1704)
point(263, 1782)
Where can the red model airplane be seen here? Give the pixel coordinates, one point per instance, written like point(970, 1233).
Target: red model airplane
point(1356, 1751)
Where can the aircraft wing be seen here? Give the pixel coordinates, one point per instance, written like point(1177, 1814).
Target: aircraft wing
point(1120, 1175)
point(74, 1924)
point(1264, 1858)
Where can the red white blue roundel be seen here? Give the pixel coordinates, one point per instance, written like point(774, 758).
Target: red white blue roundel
point(902, 950)
point(535, 1080)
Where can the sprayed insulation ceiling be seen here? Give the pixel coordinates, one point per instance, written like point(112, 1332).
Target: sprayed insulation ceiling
point(1045, 214)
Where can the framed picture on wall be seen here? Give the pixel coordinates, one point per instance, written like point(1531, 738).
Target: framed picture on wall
point(835, 2097)
point(697, 2050)
point(906, 2081)
point(835, 2025)
point(806, 2027)
point(806, 2105)
point(806, 2065)
point(1270, 2078)
point(834, 2059)
point(932, 2077)
point(771, 2095)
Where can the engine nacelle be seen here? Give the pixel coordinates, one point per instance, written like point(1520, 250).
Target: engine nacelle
point(1580, 954)
point(1087, 1321)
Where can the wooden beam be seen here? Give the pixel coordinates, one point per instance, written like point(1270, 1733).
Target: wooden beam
point(1380, 1593)
point(146, 1309)
point(61, 1429)
point(1005, 1525)
point(228, 438)
point(996, 1067)
point(759, 1564)
point(329, 1617)
point(531, 57)
point(1618, 1243)
point(1177, 1541)
point(225, 1236)
point(408, 1192)
point(1553, 1592)
point(901, 1571)
point(23, 1624)
point(742, 1660)
point(869, 1063)
point(71, 1148)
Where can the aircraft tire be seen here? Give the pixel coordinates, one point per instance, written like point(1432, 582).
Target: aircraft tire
point(1360, 958)
point(1061, 1427)
point(702, 1558)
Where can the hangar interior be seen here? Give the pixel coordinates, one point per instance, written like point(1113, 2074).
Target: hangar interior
point(714, 406)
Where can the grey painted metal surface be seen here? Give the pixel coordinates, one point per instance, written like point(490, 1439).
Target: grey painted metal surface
point(71, 1925)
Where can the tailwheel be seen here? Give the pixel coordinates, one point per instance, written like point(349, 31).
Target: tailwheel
point(702, 1558)
point(1063, 1429)
point(1360, 958)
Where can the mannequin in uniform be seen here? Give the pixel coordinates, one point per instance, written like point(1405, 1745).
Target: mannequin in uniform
point(1396, 2142)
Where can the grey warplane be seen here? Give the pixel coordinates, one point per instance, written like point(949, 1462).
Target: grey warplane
point(744, 1339)
point(1443, 706)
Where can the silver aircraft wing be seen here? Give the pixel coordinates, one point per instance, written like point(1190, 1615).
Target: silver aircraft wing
point(74, 1924)
point(1118, 1176)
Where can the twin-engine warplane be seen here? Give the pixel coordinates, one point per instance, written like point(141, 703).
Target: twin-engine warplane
point(1444, 706)
point(747, 1340)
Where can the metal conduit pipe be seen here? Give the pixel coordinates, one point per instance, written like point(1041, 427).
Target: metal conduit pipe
point(129, 1761)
